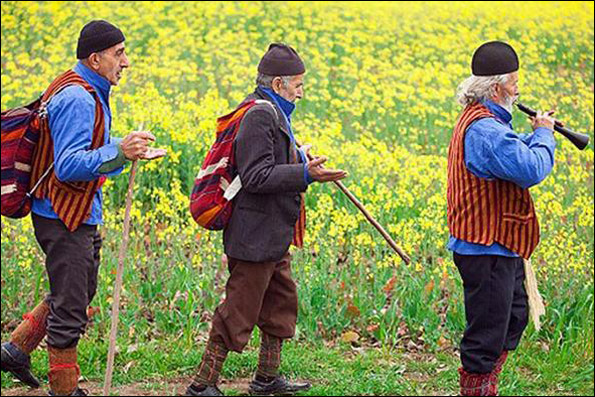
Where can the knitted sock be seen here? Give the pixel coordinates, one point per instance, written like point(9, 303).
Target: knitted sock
point(64, 371)
point(269, 359)
point(212, 363)
point(478, 384)
point(32, 330)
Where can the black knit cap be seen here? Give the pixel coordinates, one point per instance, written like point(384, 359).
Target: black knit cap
point(97, 36)
point(494, 58)
point(281, 60)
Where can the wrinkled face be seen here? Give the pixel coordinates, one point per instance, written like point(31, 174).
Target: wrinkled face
point(291, 91)
point(110, 63)
point(508, 92)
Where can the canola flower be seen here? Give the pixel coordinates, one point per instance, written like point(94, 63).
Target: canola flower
point(379, 102)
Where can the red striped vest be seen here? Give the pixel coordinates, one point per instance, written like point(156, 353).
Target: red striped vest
point(485, 211)
point(72, 202)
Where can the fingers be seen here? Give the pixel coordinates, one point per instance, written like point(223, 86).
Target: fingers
point(153, 154)
point(136, 145)
point(332, 175)
point(144, 135)
point(306, 149)
point(317, 162)
point(548, 115)
point(543, 119)
point(558, 122)
point(140, 136)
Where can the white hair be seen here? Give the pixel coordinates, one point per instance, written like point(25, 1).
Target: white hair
point(479, 88)
point(267, 81)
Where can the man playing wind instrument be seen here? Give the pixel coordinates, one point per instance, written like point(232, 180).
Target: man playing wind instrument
point(491, 215)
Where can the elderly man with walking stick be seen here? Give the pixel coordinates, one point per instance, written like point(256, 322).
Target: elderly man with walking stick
point(73, 158)
point(491, 215)
point(268, 216)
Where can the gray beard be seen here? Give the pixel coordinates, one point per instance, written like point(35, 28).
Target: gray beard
point(508, 103)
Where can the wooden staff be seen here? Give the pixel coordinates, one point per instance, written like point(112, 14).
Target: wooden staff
point(118, 287)
point(369, 217)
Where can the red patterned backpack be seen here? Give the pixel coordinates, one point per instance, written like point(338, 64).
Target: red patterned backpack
point(20, 133)
point(217, 182)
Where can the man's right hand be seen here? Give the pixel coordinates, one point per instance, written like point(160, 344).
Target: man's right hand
point(136, 144)
point(320, 174)
point(544, 120)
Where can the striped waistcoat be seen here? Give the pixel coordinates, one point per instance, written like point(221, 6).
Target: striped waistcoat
point(72, 201)
point(483, 211)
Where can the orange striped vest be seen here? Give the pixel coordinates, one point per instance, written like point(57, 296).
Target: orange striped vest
point(72, 202)
point(485, 211)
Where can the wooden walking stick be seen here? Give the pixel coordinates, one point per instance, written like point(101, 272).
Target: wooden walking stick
point(374, 222)
point(370, 218)
point(118, 287)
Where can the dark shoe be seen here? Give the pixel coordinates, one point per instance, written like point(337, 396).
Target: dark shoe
point(19, 364)
point(195, 390)
point(277, 387)
point(77, 392)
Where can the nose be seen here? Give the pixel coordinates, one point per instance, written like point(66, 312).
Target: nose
point(125, 62)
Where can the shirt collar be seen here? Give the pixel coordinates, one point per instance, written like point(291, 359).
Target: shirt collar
point(286, 106)
point(498, 111)
point(99, 83)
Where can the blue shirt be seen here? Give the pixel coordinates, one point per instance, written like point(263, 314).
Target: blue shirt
point(71, 116)
point(494, 151)
point(287, 109)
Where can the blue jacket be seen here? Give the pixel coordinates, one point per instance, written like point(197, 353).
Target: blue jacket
point(71, 115)
point(494, 150)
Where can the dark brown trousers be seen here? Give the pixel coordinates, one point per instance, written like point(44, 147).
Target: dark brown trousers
point(257, 294)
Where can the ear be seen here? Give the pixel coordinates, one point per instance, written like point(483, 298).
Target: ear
point(277, 84)
point(497, 91)
point(94, 61)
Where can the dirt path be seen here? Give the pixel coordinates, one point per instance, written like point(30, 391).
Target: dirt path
point(174, 387)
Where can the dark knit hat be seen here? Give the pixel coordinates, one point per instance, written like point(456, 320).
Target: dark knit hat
point(281, 60)
point(97, 36)
point(494, 58)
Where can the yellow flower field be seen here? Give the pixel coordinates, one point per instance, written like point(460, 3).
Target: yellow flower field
point(379, 102)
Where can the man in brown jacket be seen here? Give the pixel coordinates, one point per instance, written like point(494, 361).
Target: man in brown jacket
point(268, 216)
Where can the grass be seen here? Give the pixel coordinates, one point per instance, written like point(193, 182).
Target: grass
point(338, 370)
point(408, 328)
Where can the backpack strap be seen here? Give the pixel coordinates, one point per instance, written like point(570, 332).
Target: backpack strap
point(265, 102)
point(43, 156)
point(43, 113)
